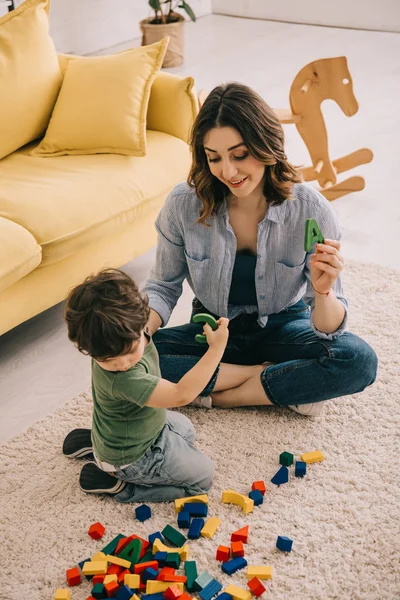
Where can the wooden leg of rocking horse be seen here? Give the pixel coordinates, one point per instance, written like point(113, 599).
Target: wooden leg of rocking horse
point(352, 184)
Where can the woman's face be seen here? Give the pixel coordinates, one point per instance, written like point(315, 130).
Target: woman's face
point(230, 161)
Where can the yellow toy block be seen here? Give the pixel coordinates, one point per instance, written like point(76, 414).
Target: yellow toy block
point(109, 578)
point(312, 457)
point(183, 552)
point(210, 527)
point(62, 594)
point(153, 586)
point(98, 567)
point(238, 593)
point(132, 581)
point(135, 596)
point(99, 556)
point(232, 497)
point(259, 572)
point(181, 501)
point(115, 560)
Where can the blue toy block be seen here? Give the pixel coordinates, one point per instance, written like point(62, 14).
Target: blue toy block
point(257, 496)
point(300, 468)
point(143, 512)
point(284, 543)
point(124, 593)
point(224, 596)
point(202, 581)
point(155, 536)
point(195, 527)
point(183, 520)
point(282, 476)
point(196, 509)
point(231, 566)
point(99, 591)
point(149, 574)
point(158, 596)
point(211, 590)
point(161, 558)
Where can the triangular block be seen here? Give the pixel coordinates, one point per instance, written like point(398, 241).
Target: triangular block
point(240, 535)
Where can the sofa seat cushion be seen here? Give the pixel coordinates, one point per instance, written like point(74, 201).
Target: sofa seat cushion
point(19, 253)
point(69, 202)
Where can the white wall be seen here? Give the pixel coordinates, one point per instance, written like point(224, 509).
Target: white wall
point(382, 15)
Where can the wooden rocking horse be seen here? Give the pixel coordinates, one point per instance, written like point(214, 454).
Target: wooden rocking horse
point(327, 78)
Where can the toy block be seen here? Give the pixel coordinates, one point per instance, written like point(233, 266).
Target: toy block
point(210, 527)
point(153, 587)
point(95, 568)
point(196, 509)
point(237, 549)
point(195, 528)
point(224, 596)
point(146, 546)
point(173, 560)
point(233, 565)
point(90, 598)
point(124, 593)
point(284, 543)
point(73, 576)
point(183, 552)
point(141, 567)
point(143, 512)
point(256, 587)
point(223, 553)
point(237, 592)
point(191, 574)
point(260, 486)
point(146, 557)
point(281, 476)
point(154, 536)
point(312, 457)
point(123, 542)
point(115, 570)
point(259, 572)
point(286, 458)
point(179, 502)
point(97, 579)
point(183, 520)
point(185, 596)
point(111, 546)
point(96, 531)
point(168, 574)
point(161, 557)
point(174, 536)
point(158, 596)
point(62, 594)
point(240, 535)
point(132, 551)
point(132, 581)
point(211, 590)
point(149, 574)
point(98, 556)
point(99, 591)
point(80, 565)
point(232, 497)
point(121, 575)
point(202, 581)
point(109, 578)
point(173, 592)
point(300, 468)
point(116, 560)
point(257, 497)
point(111, 588)
point(312, 234)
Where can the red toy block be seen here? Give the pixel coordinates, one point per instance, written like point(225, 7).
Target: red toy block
point(90, 598)
point(97, 579)
point(172, 593)
point(256, 587)
point(260, 486)
point(115, 570)
point(223, 553)
point(240, 535)
point(145, 544)
point(140, 567)
point(185, 596)
point(111, 588)
point(123, 542)
point(165, 572)
point(73, 576)
point(96, 531)
point(122, 574)
point(237, 549)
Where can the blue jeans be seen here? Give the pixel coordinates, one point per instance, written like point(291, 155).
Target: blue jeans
point(307, 368)
point(171, 468)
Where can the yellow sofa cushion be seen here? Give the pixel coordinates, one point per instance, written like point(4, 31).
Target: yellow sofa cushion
point(71, 202)
point(19, 253)
point(30, 76)
point(102, 105)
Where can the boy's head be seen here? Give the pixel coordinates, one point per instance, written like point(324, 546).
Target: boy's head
point(106, 316)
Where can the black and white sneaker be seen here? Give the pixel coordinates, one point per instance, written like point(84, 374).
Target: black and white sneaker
point(78, 444)
point(95, 481)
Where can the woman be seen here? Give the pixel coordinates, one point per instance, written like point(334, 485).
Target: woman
point(235, 231)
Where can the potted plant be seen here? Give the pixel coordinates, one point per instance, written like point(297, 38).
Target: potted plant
point(167, 22)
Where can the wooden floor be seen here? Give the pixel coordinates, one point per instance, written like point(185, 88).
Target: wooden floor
point(39, 368)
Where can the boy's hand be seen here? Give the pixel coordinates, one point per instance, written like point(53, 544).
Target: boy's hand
point(219, 338)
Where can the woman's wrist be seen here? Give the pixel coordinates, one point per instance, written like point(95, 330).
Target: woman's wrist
point(321, 293)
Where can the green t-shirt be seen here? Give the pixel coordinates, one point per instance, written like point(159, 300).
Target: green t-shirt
point(123, 428)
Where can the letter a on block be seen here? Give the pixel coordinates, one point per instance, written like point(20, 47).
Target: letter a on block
point(312, 234)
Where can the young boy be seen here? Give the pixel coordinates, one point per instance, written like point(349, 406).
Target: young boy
point(143, 452)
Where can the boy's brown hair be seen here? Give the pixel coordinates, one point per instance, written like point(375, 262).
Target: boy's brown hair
point(105, 314)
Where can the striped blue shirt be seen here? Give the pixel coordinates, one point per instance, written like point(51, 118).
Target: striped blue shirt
point(205, 256)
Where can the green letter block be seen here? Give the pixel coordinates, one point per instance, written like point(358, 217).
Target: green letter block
point(312, 234)
point(204, 318)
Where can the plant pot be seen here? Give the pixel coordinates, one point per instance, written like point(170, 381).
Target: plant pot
point(152, 33)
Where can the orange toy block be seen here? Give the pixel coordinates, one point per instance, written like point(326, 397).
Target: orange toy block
point(237, 549)
point(240, 535)
point(111, 588)
point(73, 576)
point(260, 486)
point(96, 531)
point(223, 553)
point(140, 567)
point(115, 570)
point(168, 574)
point(172, 593)
point(256, 587)
point(185, 596)
point(122, 574)
point(97, 579)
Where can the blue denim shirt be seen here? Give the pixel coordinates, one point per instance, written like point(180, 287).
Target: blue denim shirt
point(205, 256)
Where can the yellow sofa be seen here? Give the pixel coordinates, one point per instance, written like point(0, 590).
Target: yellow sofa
point(53, 233)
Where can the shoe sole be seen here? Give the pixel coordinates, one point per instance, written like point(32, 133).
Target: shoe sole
point(80, 453)
point(118, 487)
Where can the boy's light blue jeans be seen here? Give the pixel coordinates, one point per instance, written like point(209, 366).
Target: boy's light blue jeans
point(171, 468)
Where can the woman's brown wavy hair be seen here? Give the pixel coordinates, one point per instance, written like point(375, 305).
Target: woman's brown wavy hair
point(238, 106)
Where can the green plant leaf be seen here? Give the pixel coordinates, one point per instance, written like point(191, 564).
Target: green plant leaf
point(155, 4)
point(188, 10)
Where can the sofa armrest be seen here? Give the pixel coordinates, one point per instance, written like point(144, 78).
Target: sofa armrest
point(173, 105)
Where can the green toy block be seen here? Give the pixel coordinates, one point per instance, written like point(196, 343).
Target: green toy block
point(202, 580)
point(174, 536)
point(191, 574)
point(204, 318)
point(312, 234)
point(173, 560)
point(112, 546)
point(286, 459)
point(132, 551)
point(147, 557)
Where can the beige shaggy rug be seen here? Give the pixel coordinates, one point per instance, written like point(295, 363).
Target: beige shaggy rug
point(343, 516)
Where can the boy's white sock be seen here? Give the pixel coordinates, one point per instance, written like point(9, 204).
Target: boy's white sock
point(202, 402)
